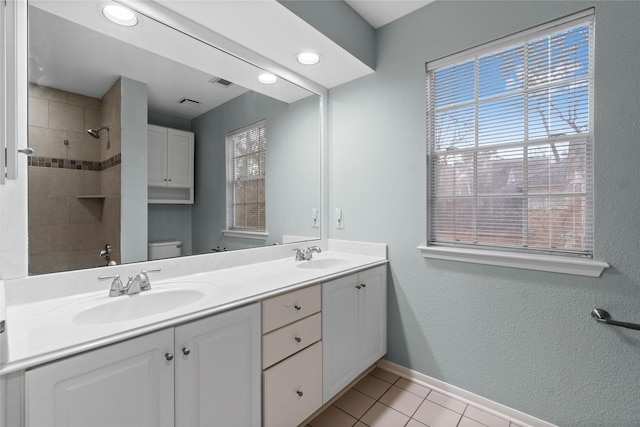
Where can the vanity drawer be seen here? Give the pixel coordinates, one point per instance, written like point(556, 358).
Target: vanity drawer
point(290, 339)
point(290, 307)
point(293, 388)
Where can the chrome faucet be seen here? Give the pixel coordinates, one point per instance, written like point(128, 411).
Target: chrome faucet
point(106, 254)
point(116, 286)
point(306, 254)
point(134, 285)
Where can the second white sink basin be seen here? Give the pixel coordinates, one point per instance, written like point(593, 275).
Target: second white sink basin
point(323, 263)
point(130, 307)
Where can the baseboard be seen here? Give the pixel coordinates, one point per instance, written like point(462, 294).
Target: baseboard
point(469, 398)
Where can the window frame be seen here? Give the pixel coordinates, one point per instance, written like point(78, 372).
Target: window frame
point(231, 229)
point(502, 254)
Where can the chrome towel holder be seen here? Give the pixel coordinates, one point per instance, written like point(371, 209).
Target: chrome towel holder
point(603, 316)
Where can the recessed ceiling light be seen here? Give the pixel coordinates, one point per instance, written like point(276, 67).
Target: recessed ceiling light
point(308, 58)
point(267, 78)
point(120, 15)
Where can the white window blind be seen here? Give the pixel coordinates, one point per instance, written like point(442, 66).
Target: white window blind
point(247, 178)
point(510, 156)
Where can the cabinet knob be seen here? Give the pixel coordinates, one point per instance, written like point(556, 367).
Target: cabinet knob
point(299, 393)
point(364, 285)
point(358, 287)
point(186, 351)
point(168, 356)
point(297, 307)
point(298, 339)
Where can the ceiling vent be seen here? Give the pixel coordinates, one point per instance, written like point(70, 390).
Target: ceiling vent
point(189, 101)
point(220, 81)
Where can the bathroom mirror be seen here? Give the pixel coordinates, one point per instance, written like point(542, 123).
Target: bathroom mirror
point(86, 191)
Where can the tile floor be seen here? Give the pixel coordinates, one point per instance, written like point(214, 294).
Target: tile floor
point(383, 399)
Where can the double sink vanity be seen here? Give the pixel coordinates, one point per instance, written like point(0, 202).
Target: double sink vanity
point(252, 338)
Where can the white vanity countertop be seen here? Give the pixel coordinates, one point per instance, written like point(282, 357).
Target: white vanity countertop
point(41, 331)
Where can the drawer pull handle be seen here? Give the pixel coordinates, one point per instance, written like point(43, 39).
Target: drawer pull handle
point(297, 307)
point(298, 339)
point(186, 351)
point(299, 393)
point(168, 356)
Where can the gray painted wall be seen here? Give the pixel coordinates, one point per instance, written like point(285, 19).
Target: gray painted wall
point(293, 168)
point(133, 225)
point(522, 338)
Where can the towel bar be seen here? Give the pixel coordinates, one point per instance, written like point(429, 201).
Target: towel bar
point(603, 316)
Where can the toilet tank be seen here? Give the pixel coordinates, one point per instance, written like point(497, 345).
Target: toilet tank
point(160, 250)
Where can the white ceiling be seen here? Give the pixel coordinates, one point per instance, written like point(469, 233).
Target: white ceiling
point(380, 12)
point(64, 53)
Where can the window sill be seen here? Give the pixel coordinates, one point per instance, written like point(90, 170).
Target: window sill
point(550, 263)
point(256, 235)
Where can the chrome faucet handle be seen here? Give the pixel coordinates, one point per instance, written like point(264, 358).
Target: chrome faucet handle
point(300, 255)
point(310, 250)
point(116, 285)
point(145, 284)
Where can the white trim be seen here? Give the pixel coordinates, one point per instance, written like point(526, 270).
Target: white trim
point(258, 235)
point(513, 40)
point(467, 397)
point(550, 263)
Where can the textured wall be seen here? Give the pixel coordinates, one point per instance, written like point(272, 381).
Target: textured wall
point(522, 338)
point(293, 168)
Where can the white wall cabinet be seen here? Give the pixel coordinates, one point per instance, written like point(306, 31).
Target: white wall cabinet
point(354, 327)
point(170, 165)
point(211, 370)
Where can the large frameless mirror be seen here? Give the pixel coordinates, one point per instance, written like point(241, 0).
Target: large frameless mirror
point(97, 91)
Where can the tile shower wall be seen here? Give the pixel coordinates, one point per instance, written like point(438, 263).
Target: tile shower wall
point(65, 231)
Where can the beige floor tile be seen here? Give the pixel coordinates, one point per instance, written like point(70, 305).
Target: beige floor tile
point(468, 422)
point(514, 425)
point(413, 423)
point(434, 415)
point(413, 387)
point(354, 403)
point(384, 375)
point(485, 418)
point(333, 417)
point(372, 386)
point(401, 400)
point(446, 401)
point(382, 416)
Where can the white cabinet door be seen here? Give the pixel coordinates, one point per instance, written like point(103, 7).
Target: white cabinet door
point(125, 384)
point(372, 316)
point(354, 327)
point(218, 370)
point(157, 155)
point(180, 158)
point(339, 334)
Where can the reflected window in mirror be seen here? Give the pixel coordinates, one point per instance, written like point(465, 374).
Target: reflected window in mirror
point(247, 173)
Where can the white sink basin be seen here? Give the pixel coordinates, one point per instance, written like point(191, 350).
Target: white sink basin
point(321, 263)
point(130, 307)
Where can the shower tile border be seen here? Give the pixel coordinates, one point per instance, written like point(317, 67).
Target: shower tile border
point(56, 163)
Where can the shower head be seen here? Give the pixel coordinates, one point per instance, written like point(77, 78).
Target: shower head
point(96, 132)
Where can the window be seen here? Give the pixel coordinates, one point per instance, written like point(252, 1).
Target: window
point(246, 153)
point(510, 136)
